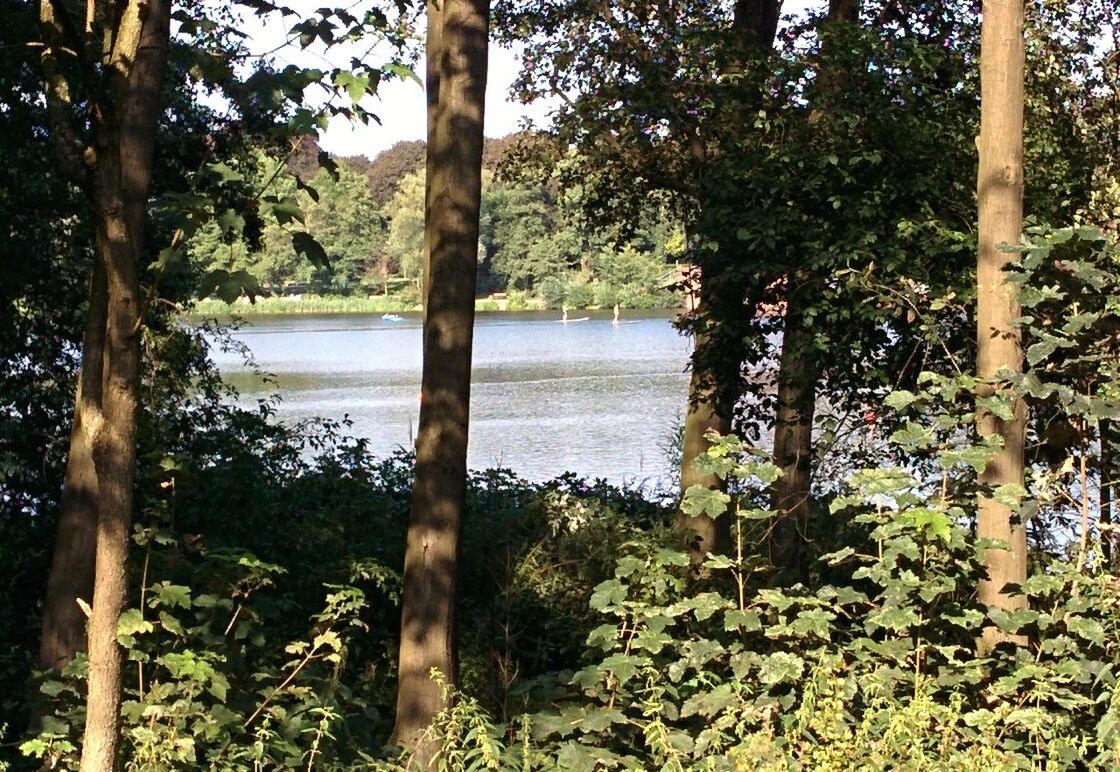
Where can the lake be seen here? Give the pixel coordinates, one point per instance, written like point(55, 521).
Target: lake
point(588, 397)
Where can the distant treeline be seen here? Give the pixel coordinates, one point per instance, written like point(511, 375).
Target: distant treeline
point(368, 217)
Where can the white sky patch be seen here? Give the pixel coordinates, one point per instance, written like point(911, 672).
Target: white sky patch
point(400, 104)
point(401, 108)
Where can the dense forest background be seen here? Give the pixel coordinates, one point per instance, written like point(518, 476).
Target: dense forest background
point(918, 569)
point(536, 247)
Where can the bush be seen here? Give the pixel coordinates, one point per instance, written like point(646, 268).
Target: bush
point(712, 669)
point(579, 294)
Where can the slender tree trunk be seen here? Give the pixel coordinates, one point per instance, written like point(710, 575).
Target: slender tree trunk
point(703, 533)
point(72, 565)
point(432, 108)
point(1000, 201)
point(1104, 430)
point(457, 51)
point(125, 141)
point(793, 439)
point(714, 392)
point(798, 368)
point(114, 454)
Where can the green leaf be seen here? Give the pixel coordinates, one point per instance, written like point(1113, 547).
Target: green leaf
point(900, 400)
point(913, 436)
point(699, 500)
point(356, 85)
point(607, 594)
point(225, 173)
point(999, 405)
point(1087, 629)
point(171, 595)
point(650, 641)
point(132, 623)
point(305, 244)
point(1036, 352)
point(932, 523)
point(403, 71)
point(747, 621)
point(285, 210)
point(893, 618)
point(780, 667)
point(1010, 495)
point(813, 621)
point(706, 604)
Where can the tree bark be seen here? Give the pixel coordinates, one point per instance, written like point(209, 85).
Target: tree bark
point(999, 191)
point(1104, 472)
point(457, 51)
point(703, 534)
point(124, 143)
point(793, 439)
point(72, 564)
point(432, 105)
point(798, 368)
point(714, 392)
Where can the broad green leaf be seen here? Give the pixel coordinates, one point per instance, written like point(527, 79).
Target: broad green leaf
point(780, 667)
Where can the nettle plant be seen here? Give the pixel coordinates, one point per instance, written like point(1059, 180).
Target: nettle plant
point(876, 667)
point(205, 685)
point(877, 663)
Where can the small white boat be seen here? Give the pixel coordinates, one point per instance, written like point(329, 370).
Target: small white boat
point(392, 318)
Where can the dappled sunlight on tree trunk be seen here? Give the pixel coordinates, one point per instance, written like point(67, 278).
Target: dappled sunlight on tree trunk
point(72, 566)
point(793, 441)
point(999, 195)
point(457, 61)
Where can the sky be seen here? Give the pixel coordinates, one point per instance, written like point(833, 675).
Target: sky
point(400, 103)
point(401, 108)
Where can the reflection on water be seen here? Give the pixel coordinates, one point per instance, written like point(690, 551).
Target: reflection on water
point(590, 397)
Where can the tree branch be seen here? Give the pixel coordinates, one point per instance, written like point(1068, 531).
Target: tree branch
point(69, 148)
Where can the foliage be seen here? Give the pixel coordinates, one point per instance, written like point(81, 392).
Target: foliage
point(532, 241)
point(834, 173)
point(875, 667)
point(245, 527)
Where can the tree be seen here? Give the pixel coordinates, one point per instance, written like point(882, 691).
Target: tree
point(653, 95)
point(119, 155)
point(46, 255)
point(999, 193)
point(387, 171)
point(404, 243)
point(105, 67)
point(715, 386)
point(798, 365)
point(527, 244)
point(458, 32)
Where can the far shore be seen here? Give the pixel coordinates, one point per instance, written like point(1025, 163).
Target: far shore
point(375, 304)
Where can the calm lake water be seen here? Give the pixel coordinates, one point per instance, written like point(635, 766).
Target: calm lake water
point(588, 397)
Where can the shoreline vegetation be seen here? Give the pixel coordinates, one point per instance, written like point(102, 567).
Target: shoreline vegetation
point(376, 304)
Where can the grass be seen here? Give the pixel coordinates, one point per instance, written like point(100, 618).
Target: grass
point(307, 304)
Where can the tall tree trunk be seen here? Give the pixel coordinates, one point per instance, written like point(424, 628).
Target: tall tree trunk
point(72, 565)
point(124, 142)
point(793, 439)
point(714, 392)
point(432, 109)
point(457, 51)
point(798, 368)
point(999, 192)
point(711, 402)
point(1104, 472)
